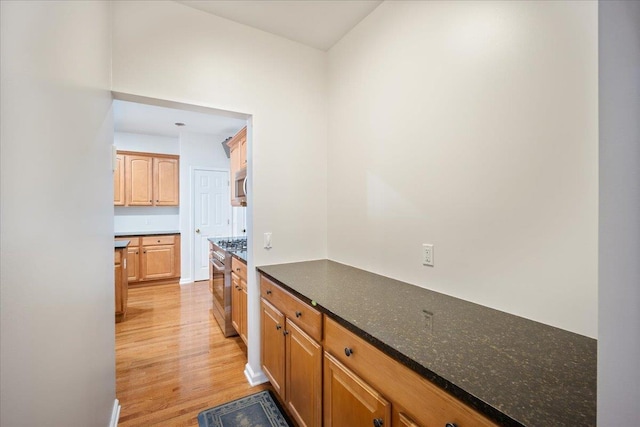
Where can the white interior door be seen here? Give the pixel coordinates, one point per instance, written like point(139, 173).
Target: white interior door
point(211, 215)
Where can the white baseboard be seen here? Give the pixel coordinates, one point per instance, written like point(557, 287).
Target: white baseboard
point(115, 414)
point(254, 378)
point(185, 281)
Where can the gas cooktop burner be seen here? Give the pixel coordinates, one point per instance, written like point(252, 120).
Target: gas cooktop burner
point(233, 244)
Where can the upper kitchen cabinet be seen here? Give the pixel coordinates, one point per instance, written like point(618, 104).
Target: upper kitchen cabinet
point(166, 181)
point(149, 179)
point(238, 154)
point(118, 181)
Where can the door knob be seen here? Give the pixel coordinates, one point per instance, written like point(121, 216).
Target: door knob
point(197, 230)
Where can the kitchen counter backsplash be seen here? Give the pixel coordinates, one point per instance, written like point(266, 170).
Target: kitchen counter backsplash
point(516, 371)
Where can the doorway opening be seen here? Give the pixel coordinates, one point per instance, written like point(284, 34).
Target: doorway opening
point(197, 135)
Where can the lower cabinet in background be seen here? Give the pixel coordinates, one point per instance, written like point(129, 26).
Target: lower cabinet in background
point(239, 298)
point(153, 259)
point(121, 283)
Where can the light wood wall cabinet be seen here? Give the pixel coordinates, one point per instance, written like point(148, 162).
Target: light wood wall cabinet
point(239, 297)
point(238, 161)
point(291, 352)
point(359, 386)
point(146, 179)
point(153, 259)
point(118, 181)
point(121, 283)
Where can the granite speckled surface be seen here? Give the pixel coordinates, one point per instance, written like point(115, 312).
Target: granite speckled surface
point(516, 371)
point(145, 233)
point(119, 244)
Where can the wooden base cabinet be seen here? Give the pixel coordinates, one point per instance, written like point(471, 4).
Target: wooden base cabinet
point(349, 401)
point(291, 355)
point(153, 259)
point(239, 298)
point(415, 401)
point(360, 386)
point(121, 283)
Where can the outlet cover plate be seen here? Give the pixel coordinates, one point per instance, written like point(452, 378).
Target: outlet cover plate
point(427, 254)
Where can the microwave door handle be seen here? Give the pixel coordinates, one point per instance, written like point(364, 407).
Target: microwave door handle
point(244, 185)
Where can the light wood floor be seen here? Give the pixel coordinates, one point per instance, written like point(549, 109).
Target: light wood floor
point(172, 361)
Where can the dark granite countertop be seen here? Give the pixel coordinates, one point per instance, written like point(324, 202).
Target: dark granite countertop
point(146, 233)
point(516, 371)
point(121, 244)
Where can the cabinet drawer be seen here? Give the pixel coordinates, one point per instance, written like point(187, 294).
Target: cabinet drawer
point(158, 240)
point(300, 313)
point(421, 400)
point(239, 267)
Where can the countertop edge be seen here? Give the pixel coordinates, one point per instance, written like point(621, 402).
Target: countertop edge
point(145, 233)
point(469, 399)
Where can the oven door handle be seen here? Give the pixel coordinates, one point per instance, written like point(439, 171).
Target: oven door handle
point(217, 265)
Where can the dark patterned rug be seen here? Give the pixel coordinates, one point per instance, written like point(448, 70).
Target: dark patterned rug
point(258, 410)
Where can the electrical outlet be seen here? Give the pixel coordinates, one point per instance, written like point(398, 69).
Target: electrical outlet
point(427, 254)
point(267, 240)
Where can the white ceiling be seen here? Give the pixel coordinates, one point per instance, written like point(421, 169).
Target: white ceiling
point(316, 23)
point(147, 119)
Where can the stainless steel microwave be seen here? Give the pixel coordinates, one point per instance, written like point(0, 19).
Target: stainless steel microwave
point(240, 186)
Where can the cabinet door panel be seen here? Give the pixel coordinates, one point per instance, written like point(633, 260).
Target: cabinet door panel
point(133, 263)
point(138, 180)
point(118, 288)
point(165, 181)
point(158, 262)
point(348, 400)
point(273, 346)
point(243, 311)
point(304, 377)
point(236, 292)
point(118, 182)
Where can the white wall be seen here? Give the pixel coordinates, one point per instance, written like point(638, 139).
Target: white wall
point(146, 218)
point(56, 289)
point(471, 126)
point(168, 51)
point(619, 273)
point(196, 151)
point(146, 143)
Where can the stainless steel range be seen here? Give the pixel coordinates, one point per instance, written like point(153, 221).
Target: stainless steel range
point(220, 279)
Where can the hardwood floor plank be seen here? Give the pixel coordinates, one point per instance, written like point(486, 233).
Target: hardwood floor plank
point(172, 361)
